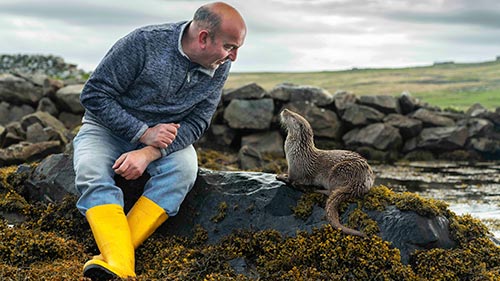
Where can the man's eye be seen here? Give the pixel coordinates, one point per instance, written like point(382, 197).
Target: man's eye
point(229, 48)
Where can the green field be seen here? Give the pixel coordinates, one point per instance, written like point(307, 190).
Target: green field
point(450, 85)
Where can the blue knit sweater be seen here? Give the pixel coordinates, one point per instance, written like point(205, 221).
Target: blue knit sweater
point(145, 79)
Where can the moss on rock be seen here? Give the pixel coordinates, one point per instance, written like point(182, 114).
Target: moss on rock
point(55, 242)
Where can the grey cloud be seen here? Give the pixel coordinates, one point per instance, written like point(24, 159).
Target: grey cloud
point(482, 18)
point(87, 13)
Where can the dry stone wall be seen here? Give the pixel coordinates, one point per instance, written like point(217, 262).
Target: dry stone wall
point(38, 115)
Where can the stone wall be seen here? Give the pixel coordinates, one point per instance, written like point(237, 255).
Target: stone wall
point(38, 115)
point(382, 128)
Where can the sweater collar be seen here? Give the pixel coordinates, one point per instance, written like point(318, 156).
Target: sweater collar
point(209, 72)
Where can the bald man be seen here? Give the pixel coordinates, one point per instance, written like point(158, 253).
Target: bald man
point(151, 97)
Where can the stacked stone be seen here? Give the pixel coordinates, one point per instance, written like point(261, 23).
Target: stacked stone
point(53, 66)
point(380, 127)
point(38, 114)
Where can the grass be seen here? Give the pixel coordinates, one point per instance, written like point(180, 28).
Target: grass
point(445, 85)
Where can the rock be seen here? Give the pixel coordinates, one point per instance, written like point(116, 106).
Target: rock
point(51, 86)
point(36, 133)
point(249, 114)
point(425, 233)
point(16, 129)
point(476, 110)
point(384, 104)
point(359, 115)
point(69, 98)
point(343, 100)
point(223, 202)
point(70, 120)
point(379, 135)
point(52, 180)
point(249, 158)
point(46, 120)
point(267, 142)
point(488, 146)
point(407, 103)
point(408, 127)
point(16, 90)
point(443, 138)
point(27, 152)
point(324, 122)
point(303, 93)
point(432, 119)
point(477, 127)
point(46, 105)
point(10, 113)
point(246, 92)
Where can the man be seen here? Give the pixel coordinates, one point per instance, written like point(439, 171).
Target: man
point(151, 97)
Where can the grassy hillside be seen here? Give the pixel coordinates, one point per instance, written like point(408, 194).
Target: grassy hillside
point(445, 85)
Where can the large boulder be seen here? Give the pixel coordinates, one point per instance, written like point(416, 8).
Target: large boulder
point(432, 119)
point(379, 135)
point(343, 100)
point(28, 152)
point(10, 113)
point(246, 92)
point(17, 90)
point(249, 114)
point(408, 127)
point(360, 115)
point(46, 121)
point(68, 98)
point(407, 103)
point(384, 104)
point(302, 93)
point(442, 138)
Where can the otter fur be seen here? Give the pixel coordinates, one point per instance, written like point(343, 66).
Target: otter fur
point(343, 174)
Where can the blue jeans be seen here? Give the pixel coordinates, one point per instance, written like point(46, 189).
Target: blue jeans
point(96, 149)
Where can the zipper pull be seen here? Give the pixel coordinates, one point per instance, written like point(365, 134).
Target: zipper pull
point(189, 77)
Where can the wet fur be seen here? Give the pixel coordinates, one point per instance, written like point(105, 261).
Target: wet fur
point(343, 174)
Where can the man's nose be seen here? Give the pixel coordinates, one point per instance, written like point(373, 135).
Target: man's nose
point(233, 54)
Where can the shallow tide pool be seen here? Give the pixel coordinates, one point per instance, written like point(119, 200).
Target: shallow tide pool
point(468, 188)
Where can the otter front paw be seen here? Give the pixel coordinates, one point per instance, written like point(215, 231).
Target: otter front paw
point(283, 178)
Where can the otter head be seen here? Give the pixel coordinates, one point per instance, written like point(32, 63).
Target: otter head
point(295, 124)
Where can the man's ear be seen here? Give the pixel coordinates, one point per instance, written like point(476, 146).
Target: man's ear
point(203, 38)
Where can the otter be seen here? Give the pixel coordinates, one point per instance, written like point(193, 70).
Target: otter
point(342, 174)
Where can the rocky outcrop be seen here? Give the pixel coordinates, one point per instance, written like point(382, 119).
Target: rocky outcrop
point(224, 202)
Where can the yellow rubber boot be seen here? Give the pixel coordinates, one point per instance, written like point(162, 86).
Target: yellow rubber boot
point(112, 235)
point(143, 219)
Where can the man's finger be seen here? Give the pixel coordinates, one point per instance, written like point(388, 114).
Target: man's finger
point(119, 161)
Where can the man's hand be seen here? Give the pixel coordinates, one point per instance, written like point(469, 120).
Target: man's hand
point(131, 165)
point(161, 135)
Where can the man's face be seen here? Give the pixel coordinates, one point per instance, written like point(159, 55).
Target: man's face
point(222, 47)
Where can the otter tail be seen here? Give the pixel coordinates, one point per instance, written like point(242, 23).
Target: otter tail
point(332, 210)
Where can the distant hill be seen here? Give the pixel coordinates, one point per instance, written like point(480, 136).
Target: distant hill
point(447, 85)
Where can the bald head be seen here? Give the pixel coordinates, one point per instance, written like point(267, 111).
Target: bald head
point(218, 16)
point(215, 35)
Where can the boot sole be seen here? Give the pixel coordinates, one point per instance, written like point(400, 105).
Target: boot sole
point(98, 273)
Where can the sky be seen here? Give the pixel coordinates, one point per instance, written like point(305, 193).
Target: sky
point(283, 35)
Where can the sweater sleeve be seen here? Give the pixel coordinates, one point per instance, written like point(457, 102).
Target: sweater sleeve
point(110, 80)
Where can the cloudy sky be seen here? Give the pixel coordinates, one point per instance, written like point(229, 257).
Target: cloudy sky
point(283, 35)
